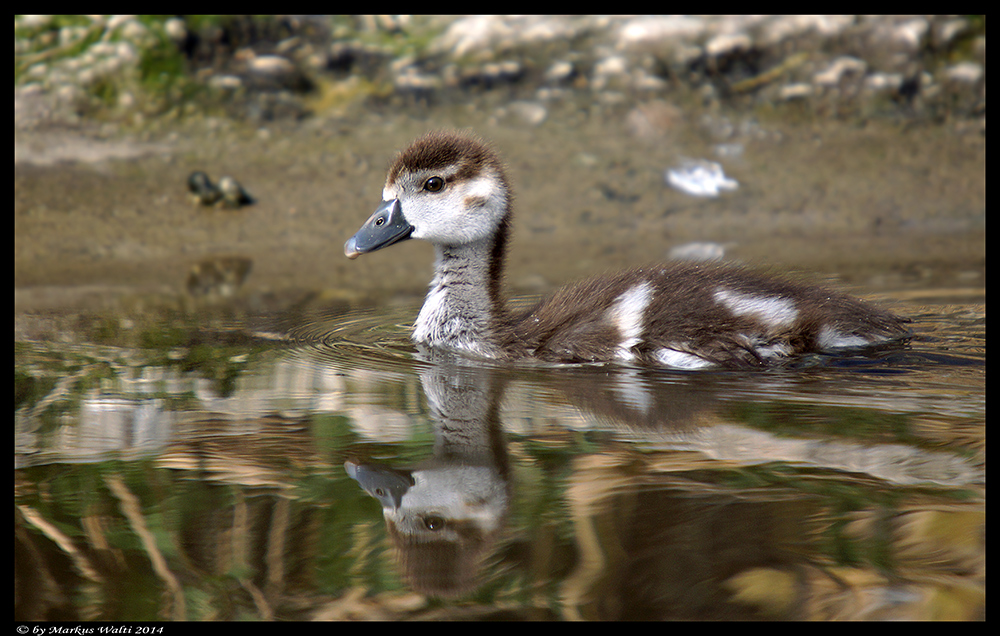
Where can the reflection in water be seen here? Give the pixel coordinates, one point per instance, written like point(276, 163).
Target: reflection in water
point(219, 277)
point(852, 490)
point(444, 514)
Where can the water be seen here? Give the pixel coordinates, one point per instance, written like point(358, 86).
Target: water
point(210, 470)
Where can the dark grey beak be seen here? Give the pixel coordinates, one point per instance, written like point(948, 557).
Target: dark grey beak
point(385, 484)
point(382, 229)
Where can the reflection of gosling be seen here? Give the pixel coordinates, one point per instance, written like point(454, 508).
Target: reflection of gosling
point(218, 277)
point(233, 194)
point(202, 190)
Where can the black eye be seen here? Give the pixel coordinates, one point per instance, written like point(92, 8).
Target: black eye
point(434, 184)
point(379, 221)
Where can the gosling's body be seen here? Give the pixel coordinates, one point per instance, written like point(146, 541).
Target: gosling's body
point(451, 189)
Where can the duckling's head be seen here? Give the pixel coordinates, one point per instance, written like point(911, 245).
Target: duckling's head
point(448, 188)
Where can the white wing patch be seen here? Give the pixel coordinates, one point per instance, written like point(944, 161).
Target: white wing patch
point(628, 316)
point(774, 312)
point(829, 339)
point(680, 359)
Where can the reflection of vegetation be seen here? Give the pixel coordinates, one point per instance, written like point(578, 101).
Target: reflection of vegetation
point(809, 419)
point(189, 548)
point(29, 389)
point(266, 525)
point(50, 382)
point(57, 376)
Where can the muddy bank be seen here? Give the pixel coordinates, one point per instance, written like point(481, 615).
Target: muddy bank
point(879, 205)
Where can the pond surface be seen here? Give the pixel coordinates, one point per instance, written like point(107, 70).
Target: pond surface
point(345, 475)
point(283, 451)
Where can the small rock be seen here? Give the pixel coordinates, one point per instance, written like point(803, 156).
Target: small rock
point(964, 73)
point(800, 90)
point(841, 67)
point(531, 113)
point(233, 194)
point(560, 72)
point(201, 189)
point(728, 43)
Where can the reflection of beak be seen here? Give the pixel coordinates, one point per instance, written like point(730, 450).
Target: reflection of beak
point(385, 484)
point(383, 228)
